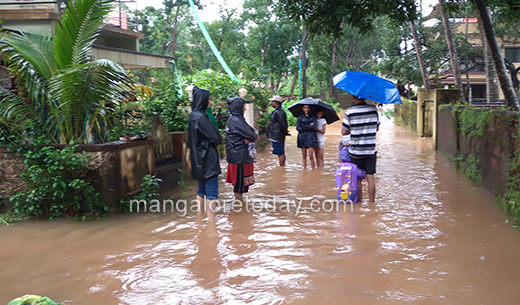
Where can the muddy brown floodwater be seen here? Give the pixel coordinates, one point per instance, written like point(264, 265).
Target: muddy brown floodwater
point(432, 237)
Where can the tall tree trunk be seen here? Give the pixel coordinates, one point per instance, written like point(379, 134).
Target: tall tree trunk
point(303, 57)
point(469, 96)
point(418, 51)
point(272, 80)
point(451, 48)
point(279, 78)
point(489, 32)
point(492, 93)
point(333, 65)
point(175, 31)
point(264, 51)
point(293, 84)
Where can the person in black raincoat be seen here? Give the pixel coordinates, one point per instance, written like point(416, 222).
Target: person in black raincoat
point(278, 129)
point(307, 140)
point(239, 136)
point(203, 138)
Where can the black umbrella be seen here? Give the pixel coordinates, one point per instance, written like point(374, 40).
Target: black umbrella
point(329, 114)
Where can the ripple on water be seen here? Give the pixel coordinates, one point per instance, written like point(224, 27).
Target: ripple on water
point(417, 243)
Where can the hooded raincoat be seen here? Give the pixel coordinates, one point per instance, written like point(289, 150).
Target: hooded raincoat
point(306, 126)
point(237, 130)
point(203, 138)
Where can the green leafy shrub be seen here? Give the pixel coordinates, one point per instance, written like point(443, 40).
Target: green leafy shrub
point(258, 94)
point(473, 123)
point(131, 123)
point(390, 113)
point(263, 122)
point(220, 85)
point(337, 107)
point(149, 191)
point(470, 168)
point(10, 217)
point(56, 186)
point(139, 122)
point(291, 119)
point(174, 117)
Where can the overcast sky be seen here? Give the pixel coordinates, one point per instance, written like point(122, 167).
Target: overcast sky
point(208, 14)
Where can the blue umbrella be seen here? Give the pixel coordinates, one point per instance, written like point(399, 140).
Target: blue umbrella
point(368, 86)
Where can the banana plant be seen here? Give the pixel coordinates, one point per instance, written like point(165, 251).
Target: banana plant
point(60, 91)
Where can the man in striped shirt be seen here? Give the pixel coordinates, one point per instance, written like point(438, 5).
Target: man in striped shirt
point(361, 121)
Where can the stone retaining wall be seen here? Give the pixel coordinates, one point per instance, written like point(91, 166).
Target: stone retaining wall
point(492, 150)
point(114, 169)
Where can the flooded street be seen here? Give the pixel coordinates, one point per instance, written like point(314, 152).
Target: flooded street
point(432, 237)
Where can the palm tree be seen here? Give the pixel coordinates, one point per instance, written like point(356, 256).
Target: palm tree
point(492, 93)
point(503, 77)
point(454, 58)
point(418, 51)
point(60, 92)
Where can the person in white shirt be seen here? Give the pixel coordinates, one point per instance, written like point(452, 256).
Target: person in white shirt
point(320, 133)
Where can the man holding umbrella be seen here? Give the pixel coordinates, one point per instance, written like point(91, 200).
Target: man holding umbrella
point(361, 121)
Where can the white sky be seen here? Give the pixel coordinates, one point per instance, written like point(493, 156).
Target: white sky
point(208, 14)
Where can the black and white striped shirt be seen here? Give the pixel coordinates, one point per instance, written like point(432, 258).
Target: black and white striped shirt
point(362, 121)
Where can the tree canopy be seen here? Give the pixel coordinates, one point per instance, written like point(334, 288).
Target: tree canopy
point(263, 42)
point(327, 17)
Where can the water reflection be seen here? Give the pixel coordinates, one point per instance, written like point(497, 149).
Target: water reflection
point(206, 267)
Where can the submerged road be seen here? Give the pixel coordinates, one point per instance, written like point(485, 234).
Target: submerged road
point(432, 237)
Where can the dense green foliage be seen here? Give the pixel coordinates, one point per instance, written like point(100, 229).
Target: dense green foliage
point(263, 43)
point(149, 191)
point(60, 92)
point(511, 201)
point(327, 17)
point(55, 179)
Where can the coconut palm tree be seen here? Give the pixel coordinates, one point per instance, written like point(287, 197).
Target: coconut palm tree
point(454, 58)
point(505, 82)
point(492, 92)
point(420, 60)
point(60, 92)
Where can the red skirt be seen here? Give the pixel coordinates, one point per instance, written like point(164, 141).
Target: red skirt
point(235, 175)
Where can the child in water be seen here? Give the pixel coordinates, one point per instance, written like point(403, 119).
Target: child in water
point(348, 176)
point(344, 155)
point(307, 141)
point(320, 134)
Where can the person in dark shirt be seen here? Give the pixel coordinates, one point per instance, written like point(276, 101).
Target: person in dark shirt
point(307, 140)
point(278, 129)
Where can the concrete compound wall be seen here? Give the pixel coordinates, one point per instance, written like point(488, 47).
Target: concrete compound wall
point(421, 116)
point(493, 149)
point(114, 169)
point(433, 115)
point(407, 112)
